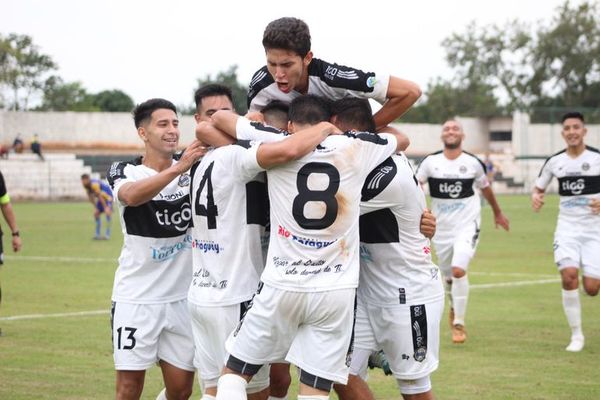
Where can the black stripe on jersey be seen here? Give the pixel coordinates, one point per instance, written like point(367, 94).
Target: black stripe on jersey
point(578, 185)
point(117, 170)
point(477, 158)
point(257, 203)
point(367, 137)
point(378, 179)
point(379, 227)
point(267, 128)
point(340, 76)
point(431, 154)
point(260, 80)
point(158, 218)
point(548, 159)
point(243, 143)
point(590, 148)
point(450, 188)
point(418, 322)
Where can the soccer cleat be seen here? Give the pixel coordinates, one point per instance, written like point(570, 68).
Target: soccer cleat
point(97, 238)
point(459, 335)
point(577, 342)
point(379, 360)
point(451, 317)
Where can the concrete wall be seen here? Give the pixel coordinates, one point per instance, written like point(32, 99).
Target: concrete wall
point(80, 129)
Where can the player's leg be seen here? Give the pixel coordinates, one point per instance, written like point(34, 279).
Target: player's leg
point(590, 264)
point(416, 389)
point(108, 216)
point(129, 384)
point(176, 351)
point(264, 335)
point(321, 345)
point(463, 251)
point(280, 381)
point(364, 344)
point(135, 331)
point(98, 220)
point(443, 246)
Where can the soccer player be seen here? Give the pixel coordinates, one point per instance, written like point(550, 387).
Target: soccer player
point(150, 317)
point(400, 296)
point(577, 235)
point(101, 197)
point(9, 216)
point(303, 312)
point(292, 71)
point(452, 174)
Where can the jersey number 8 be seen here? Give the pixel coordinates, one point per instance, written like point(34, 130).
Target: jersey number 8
point(327, 196)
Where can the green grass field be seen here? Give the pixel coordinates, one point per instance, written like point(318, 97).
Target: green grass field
point(517, 332)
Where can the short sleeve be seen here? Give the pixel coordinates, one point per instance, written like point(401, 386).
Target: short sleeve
point(250, 130)
point(117, 177)
point(377, 148)
point(545, 175)
point(423, 171)
point(481, 179)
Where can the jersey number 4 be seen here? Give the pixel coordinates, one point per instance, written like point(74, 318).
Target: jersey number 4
point(327, 196)
point(209, 210)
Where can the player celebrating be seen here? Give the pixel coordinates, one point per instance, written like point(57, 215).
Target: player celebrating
point(577, 235)
point(150, 318)
point(400, 296)
point(292, 71)
point(305, 304)
point(101, 197)
point(451, 174)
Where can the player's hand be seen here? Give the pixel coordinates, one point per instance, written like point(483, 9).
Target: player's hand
point(256, 116)
point(500, 219)
point(537, 201)
point(330, 128)
point(595, 206)
point(428, 224)
point(191, 154)
point(16, 243)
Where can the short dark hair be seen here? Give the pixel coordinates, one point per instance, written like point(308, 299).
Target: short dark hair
point(354, 113)
point(287, 34)
point(573, 114)
point(309, 109)
point(143, 112)
point(276, 113)
point(85, 176)
point(210, 90)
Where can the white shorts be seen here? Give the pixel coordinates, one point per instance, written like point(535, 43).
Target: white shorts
point(143, 334)
point(578, 249)
point(409, 335)
point(456, 249)
point(309, 329)
point(211, 327)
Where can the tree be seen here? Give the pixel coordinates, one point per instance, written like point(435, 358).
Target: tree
point(22, 68)
point(61, 96)
point(229, 78)
point(113, 101)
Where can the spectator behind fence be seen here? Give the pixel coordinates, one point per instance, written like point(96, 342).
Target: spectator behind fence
point(36, 147)
point(18, 145)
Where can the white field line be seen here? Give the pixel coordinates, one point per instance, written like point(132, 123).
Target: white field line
point(61, 259)
point(58, 315)
point(513, 274)
point(100, 312)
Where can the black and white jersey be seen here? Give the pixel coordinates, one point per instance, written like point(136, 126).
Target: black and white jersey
point(327, 80)
point(155, 265)
point(315, 209)
point(229, 202)
point(451, 184)
point(395, 257)
point(578, 183)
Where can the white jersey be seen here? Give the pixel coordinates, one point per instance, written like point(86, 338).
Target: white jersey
point(229, 202)
point(155, 265)
point(451, 183)
point(396, 266)
point(315, 209)
point(578, 183)
point(327, 80)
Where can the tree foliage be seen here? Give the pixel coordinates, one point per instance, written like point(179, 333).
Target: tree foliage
point(22, 68)
point(113, 101)
point(229, 78)
point(517, 66)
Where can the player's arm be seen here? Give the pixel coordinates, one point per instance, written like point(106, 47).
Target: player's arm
point(595, 205)
point(226, 121)
point(11, 220)
point(428, 224)
point(537, 198)
point(207, 133)
point(144, 190)
point(401, 95)
point(403, 140)
point(499, 218)
point(294, 146)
